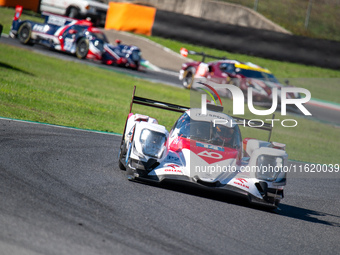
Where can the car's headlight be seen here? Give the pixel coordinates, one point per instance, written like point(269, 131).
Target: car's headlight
point(269, 167)
point(152, 143)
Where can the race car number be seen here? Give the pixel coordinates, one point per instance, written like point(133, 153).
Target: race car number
point(210, 154)
point(68, 44)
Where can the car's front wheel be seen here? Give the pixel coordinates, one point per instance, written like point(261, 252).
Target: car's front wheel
point(120, 158)
point(188, 77)
point(122, 154)
point(137, 66)
point(82, 48)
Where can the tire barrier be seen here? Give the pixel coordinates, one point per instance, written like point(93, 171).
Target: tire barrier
point(130, 17)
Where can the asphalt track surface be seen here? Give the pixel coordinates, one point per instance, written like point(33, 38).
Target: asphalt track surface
point(63, 193)
point(166, 76)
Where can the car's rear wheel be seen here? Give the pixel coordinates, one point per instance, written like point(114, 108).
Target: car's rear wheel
point(188, 78)
point(82, 48)
point(24, 34)
point(120, 158)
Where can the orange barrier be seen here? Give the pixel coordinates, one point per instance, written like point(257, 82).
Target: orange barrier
point(130, 17)
point(29, 5)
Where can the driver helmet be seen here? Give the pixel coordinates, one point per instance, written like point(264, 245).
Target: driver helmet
point(224, 133)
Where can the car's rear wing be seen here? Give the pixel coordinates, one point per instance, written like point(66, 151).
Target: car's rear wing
point(50, 19)
point(178, 108)
point(153, 103)
point(185, 52)
point(156, 104)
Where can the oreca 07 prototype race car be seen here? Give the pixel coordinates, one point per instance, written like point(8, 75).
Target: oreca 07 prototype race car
point(229, 71)
point(77, 37)
point(203, 150)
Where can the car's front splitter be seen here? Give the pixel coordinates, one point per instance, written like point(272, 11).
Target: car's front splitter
point(196, 183)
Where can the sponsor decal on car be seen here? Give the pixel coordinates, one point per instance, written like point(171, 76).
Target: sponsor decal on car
point(172, 158)
point(213, 156)
point(56, 20)
point(210, 146)
point(172, 168)
point(241, 182)
point(40, 28)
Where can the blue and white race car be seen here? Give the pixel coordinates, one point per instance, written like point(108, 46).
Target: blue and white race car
point(77, 37)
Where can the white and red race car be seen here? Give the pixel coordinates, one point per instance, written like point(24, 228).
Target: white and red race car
point(204, 150)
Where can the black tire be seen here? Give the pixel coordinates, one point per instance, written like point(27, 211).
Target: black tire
point(188, 78)
point(137, 66)
point(73, 13)
point(277, 202)
point(24, 34)
point(121, 166)
point(121, 153)
point(82, 48)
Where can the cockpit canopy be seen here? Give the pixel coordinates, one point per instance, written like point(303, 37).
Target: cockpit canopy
point(208, 131)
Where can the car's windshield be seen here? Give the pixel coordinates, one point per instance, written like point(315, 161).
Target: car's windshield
point(98, 36)
point(256, 74)
point(208, 132)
